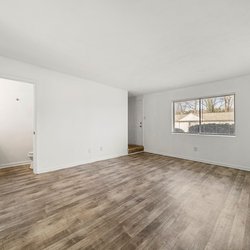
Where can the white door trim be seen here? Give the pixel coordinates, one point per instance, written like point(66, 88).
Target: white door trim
point(29, 81)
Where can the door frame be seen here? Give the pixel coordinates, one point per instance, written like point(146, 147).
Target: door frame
point(29, 81)
point(140, 98)
point(135, 100)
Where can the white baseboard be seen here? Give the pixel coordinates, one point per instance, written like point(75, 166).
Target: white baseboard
point(245, 168)
point(107, 157)
point(14, 164)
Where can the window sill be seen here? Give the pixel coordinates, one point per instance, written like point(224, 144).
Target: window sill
point(206, 135)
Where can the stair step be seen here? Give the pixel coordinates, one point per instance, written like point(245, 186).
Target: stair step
point(135, 148)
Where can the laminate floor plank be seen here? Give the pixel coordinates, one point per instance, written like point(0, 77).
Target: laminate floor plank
point(141, 201)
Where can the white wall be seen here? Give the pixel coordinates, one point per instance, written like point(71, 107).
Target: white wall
point(16, 122)
point(227, 151)
point(135, 116)
point(132, 120)
point(77, 121)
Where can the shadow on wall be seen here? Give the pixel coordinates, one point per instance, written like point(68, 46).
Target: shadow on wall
point(3, 158)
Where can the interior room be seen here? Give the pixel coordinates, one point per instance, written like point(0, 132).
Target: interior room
point(16, 123)
point(124, 125)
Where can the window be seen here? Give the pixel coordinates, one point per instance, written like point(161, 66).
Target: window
point(211, 116)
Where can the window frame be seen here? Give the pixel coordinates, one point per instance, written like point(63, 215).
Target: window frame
point(200, 115)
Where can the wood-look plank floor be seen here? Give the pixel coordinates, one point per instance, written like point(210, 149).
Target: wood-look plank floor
point(141, 201)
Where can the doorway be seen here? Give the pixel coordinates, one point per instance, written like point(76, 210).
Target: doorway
point(135, 124)
point(16, 123)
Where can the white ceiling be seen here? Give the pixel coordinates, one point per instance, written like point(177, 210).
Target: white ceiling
point(139, 45)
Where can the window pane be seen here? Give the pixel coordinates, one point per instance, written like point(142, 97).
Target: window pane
point(217, 115)
point(186, 116)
